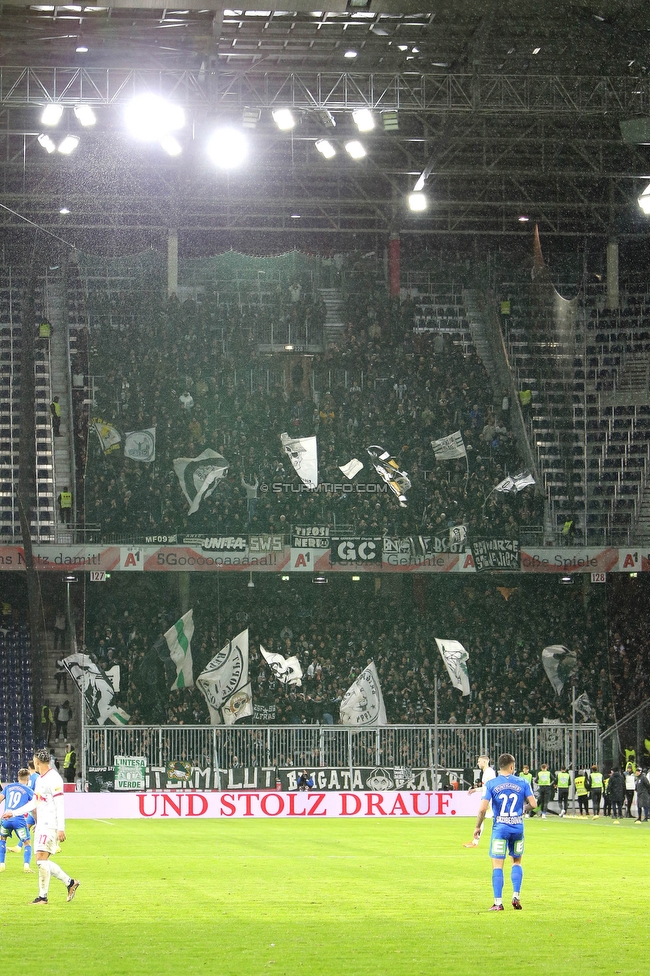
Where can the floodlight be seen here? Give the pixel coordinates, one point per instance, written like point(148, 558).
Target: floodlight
point(351, 54)
point(68, 145)
point(363, 119)
point(150, 118)
point(644, 199)
point(64, 210)
point(81, 49)
point(355, 149)
point(417, 201)
point(283, 118)
point(85, 115)
point(51, 114)
point(171, 145)
point(325, 148)
point(227, 148)
point(46, 142)
point(390, 121)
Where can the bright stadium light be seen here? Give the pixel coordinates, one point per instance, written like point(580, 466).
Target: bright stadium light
point(171, 145)
point(46, 142)
point(150, 118)
point(363, 119)
point(325, 148)
point(644, 200)
point(227, 148)
point(85, 115)
point(283, 118)
point(417, 202)
point(355, 149)
point(68, 145)
point(52, 113)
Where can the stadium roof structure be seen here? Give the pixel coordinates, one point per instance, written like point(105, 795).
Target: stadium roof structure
point(503, 111)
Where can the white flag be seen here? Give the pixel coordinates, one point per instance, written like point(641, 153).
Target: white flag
point(449, 447)
point(558, 663)
point(457, 535)
point(96, 688)
point(238, 705)
point(224, 676)
point(179, 638)
point(140, 445)
point(584, 706)
point(303, 452)
point(286, 669)
point(351, 468)
point(108, 436)
point(455, 657)
point(363, 703)
point(199, 476)
point(515, 484)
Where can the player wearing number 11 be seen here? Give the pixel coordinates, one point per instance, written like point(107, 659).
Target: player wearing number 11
point(508, 795)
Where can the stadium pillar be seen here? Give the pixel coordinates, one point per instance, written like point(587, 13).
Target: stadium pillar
point(612, 274)
point(394, 266)
point(172, 262)
point(184, 592)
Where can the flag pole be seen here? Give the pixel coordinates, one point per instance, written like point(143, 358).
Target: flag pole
point(573, 742)
point(436, 744)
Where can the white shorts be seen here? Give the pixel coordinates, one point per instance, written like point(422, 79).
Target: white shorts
point(46, 839)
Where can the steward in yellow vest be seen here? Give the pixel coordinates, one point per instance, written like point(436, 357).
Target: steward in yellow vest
point(563, 785)
point(595, 789)
point(582, 794)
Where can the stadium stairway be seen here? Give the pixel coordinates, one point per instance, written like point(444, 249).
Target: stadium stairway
point(334, 324)
point(60, 381)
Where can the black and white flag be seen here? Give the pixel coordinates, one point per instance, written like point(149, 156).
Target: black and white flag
point(303, 454)
point(96, 688)
point(286, 669)
point(559, 662)
point(450, 447)
point(140, 445)
point(455, 657)
point(363, 703)
point(200, 476)
point(389, 471)
point(516, 483)
point(224, 682)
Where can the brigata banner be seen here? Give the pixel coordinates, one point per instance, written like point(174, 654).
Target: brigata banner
point(359, 778)
point(234, 804)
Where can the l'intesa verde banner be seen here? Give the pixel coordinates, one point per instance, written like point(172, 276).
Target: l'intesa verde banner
point(269, 554)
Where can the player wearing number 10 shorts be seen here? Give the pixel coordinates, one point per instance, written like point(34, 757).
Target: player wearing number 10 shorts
point(507, 795)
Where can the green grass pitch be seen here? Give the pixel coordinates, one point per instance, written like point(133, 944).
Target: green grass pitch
point(374, 898)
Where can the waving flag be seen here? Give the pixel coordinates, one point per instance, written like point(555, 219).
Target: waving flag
point(224, 682)
point(558, 663)
point(363, 702)
point(450, 447)
point(389, 471)
point(351, 468)
point(455, 657)
point(515, 483)
point(286, 669)
point(179, 639)
point(109, 437)
point(140, 445)
point(303, 453)
point(199, 476)
point(96, 688)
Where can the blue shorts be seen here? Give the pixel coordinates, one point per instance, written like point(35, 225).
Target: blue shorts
point(16, 824)
point(506, 841)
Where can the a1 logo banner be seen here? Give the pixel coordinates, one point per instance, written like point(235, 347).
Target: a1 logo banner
point(131, 559)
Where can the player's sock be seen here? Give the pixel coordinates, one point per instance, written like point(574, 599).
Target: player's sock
point(27, 854)
point(43, 878)
point(3, 850)
point(497, 884)
point(59, 873)
point(517, 876)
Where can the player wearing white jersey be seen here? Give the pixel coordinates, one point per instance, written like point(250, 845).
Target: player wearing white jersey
point(487, 773)
point(50, 826)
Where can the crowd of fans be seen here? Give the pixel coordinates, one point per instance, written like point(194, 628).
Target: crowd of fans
point(336, 629)
point(194, 372)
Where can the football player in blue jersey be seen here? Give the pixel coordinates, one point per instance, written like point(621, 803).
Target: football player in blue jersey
point(509, 796)
point(14, 795)
point(29, 817)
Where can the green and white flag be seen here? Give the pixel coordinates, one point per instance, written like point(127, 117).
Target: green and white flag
point(363, 703)
point(179, 639)
point(455, 657)
point(224, 683)
point(96, 687)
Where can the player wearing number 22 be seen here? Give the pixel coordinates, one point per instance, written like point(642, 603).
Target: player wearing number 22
point(508, 795)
